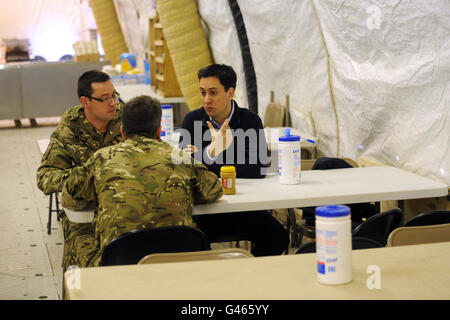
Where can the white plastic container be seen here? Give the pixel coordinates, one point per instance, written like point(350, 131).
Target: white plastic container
point(163, 136)
point(289, 157)
point(167, 120)
point(334, 244)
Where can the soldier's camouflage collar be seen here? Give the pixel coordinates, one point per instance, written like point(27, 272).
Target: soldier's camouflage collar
point(142, 139)
point(77, 112)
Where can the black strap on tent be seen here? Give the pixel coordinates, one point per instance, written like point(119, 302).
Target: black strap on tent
point(249, 70)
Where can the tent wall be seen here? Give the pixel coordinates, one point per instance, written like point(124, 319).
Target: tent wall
point(369, 78)
point(110, 31)
point(51, 25)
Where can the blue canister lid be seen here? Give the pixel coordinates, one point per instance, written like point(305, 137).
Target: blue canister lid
point(166, 106)
point(127, 56)
point(333, 211)
point(288, 136)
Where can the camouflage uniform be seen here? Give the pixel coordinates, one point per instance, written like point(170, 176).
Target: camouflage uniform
point(71, 144)
point(136, 185)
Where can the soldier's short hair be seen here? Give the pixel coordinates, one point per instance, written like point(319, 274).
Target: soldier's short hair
point(224, 73)
point(141, 115)
point(86, 79)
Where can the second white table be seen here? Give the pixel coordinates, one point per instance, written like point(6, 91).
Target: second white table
point(323, 187)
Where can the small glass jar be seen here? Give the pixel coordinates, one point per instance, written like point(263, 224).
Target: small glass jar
point(228, 176)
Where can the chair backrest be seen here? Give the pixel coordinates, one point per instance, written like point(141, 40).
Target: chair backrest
point(429, 218)
point(357, 243)
point(307, 164)
point(365, 243)
point(132, 246)
point(359, 210)
point(379, 226)
point(325, 163)
point(351, 162)
point(308, 247)
point(66, 57)
point(275, 115)
point(420, 234)
point(216, 254)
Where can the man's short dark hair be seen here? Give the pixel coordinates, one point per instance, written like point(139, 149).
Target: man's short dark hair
point(86, 79)
point(224, 73)
point(141, 115)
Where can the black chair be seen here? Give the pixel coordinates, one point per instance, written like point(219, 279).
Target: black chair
point(308, 247)
point(359, 211)
point(365, 243)
point(132, 246)
point(357, 243)
point(67, 57)
point(429, 218)
point(379, 226)
point(39, 59)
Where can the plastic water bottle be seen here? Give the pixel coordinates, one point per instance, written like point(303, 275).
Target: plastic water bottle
point(289, 157)
point(334, 244)
point(167, 120)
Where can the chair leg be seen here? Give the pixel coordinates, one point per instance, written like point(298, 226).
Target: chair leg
point(295, 243)
point(401, 206)
point(288, 228)
point(57, 206)
point(49, 223)
point(63, 293)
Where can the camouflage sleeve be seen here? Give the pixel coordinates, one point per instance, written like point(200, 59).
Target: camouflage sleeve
point(78, 192)
point(55, 167)
point(207, 187)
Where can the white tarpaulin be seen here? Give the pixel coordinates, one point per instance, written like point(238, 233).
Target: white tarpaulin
point(134, 17)
point(52, 26)
point(368, 78)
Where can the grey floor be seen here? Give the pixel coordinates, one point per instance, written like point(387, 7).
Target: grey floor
point(30, 259)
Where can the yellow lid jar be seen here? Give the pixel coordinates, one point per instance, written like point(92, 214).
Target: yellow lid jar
point(228, 176)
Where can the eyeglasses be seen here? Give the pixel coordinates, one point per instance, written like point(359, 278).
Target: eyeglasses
point(114, 97)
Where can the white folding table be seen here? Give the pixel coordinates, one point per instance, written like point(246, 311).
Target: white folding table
point(324, 187)
point(408, 272)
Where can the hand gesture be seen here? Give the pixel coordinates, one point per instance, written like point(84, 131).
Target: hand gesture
point(190, 149)
point(220, 139)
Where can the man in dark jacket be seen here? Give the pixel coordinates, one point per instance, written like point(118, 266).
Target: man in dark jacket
point(222, 133)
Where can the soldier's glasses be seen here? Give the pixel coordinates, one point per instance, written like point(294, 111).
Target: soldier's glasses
point(114, 97)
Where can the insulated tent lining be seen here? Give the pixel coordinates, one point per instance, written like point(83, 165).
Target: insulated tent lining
point(187, 44)
point(110, 30)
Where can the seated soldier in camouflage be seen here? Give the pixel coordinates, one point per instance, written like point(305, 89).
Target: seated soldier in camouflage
point(140, 183)
point(82, 130)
